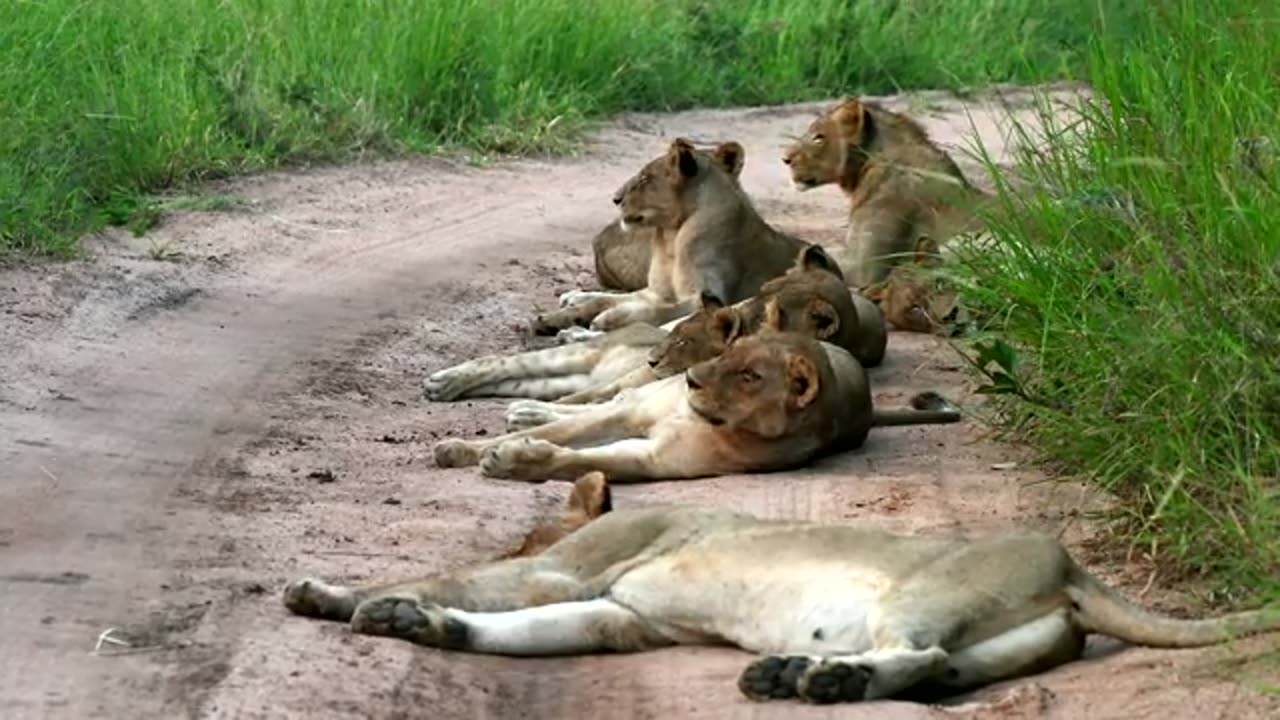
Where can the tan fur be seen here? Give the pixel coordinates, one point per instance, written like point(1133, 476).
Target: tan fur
point(811, 298)
point(837, 612)
point(771, 401)
point(622, 253)
point(549, 373)
point(912, 298)
point(707, 236)
point(589, 499)
point(900, 185)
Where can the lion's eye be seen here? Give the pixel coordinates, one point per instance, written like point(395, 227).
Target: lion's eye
point(748, 375)
point(819, 138)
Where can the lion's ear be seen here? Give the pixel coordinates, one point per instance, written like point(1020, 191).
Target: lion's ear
point(826, 321)
point(814, 257)
point(927, 251)
point(681, 156)
point(727, 324)
point(850, 115)
point(730, 156)
point(708, 301)
point(591, 495)
point(875, 292)
point(803, 380)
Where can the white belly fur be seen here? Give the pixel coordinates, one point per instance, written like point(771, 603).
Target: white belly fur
point(790, 605)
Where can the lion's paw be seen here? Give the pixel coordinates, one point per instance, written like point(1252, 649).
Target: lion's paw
point(444, 386)
point(576, 334)
point(455, 453)
point(524, 459)
point(774, 677)
point(834, 681)
point(315, 598)
point(576, 297)
point(408, 619)
point(527, 418)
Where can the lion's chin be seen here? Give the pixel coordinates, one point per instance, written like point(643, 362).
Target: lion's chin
point(803, 185)
point(711, 419)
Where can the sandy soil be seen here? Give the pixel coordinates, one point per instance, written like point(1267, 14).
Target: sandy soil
point(180, 437)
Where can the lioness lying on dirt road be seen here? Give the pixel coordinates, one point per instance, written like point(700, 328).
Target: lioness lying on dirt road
point(807, 299)
point(709, 237)
point(769, 402)
point(840, 613)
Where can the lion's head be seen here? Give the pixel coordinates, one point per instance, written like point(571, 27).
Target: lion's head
point(762, 384)
point(701, 336)
point(911, 297)
point(810, 299)
point(829, 148)
point(656, 196)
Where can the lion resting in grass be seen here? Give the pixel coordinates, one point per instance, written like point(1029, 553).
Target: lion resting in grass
point(707, 237)
point(769, 402)
point(913, 298)
point(837, 612)
point(810, 298)
point(901, 186)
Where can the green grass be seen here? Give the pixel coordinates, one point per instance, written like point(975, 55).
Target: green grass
point(102, 103)
point(1147, 342)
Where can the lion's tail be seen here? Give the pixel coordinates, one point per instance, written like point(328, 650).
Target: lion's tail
point(928, 408)
point(1100, 609)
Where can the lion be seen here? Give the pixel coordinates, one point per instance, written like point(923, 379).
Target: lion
point(913, 298)
point(589, 499)
point(707, 236)
point(899, 183)
point(771, 401)
point(621, 251)
point(835, 612)
point(810, 298)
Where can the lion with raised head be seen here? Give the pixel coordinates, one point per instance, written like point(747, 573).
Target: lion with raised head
point(707, 236)
point(771, 401)
point(900, 185)
point(835, 612)
point(811, 298)
point(622, 251)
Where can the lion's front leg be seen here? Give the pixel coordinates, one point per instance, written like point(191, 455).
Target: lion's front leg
point(632, 460)
point(525, 414)
point(602, 424)
point(646, 309)
point(564, 628)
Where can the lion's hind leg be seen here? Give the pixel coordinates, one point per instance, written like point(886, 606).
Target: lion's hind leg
point(563, 628)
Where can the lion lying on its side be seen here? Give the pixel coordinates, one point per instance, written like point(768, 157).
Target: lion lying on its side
point(840, 613)
point(769, 402)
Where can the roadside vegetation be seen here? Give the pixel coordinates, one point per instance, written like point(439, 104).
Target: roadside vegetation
point(1134, 329)
point(105, 103)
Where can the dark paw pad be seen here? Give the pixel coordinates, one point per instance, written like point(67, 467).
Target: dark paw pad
point(408, 619)
point(834, 682)
point(774, 677)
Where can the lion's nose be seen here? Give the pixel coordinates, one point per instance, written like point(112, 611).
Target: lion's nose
point(653, 363)
point(786, 159)
point(692, 382)
point(617, 198)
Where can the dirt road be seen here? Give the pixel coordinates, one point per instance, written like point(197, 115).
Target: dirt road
point(182, 434)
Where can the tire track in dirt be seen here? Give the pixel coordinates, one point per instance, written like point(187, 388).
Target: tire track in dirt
point(271, 426)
